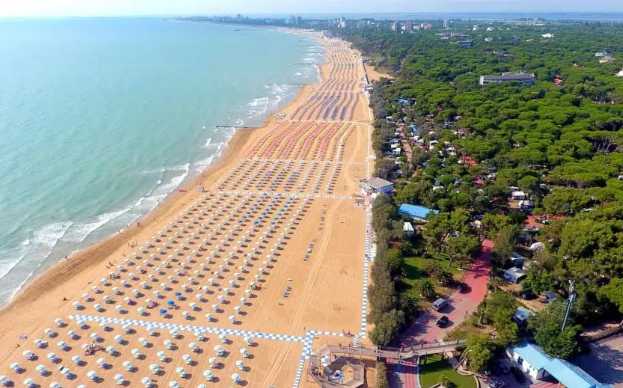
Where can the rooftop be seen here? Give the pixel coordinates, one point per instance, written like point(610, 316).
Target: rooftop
point(571, 375)
point(415, 211)
point(512, 76)
point(522, 314)
point(567, 374)
point(378, 183)
point(533, 354)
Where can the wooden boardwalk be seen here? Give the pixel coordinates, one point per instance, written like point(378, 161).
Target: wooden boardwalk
point(318, 372)
point(393, 353)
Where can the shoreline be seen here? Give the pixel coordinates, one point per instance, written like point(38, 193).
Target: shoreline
point(79, 260)
point(277, 223)
point(47, 287)
point(86, 263)
point(46, 284)
point(231, 145)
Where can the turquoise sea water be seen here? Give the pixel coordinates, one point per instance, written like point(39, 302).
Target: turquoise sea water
point(101, 118)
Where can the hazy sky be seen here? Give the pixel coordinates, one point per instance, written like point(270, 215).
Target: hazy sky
point(185, 7)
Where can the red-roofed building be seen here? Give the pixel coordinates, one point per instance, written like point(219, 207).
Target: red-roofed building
point(469, 161)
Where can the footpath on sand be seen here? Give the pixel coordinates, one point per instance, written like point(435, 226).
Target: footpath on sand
point(462, 305)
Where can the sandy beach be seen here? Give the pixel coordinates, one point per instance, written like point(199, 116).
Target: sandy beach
point(235, 278)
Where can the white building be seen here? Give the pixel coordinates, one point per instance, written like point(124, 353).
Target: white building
point(518, 195)
point(377, 185)
point(408, 229)
point(533, 361)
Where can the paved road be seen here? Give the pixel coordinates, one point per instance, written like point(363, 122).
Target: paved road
point(462, 305)
point(605, 360)
point(403, 374)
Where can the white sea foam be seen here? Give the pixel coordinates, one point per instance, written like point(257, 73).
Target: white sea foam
point(162, 170)
point(201, 164)
point(7, 266)
point(258, 106)
point(19, 263)
point(79, 232)
point(49, 235)
point(153, 198)
point(175, 181)
point(40, 245)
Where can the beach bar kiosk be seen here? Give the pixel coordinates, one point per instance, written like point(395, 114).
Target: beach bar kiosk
point(376, 185)
point(415, 212)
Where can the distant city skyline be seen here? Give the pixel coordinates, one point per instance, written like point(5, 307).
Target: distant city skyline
point(60, 8)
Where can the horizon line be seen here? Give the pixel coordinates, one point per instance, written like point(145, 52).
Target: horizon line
point(316, 14)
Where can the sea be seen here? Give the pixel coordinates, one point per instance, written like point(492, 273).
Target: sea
point(102, 118)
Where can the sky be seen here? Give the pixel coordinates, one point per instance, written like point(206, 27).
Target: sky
point(55, 8)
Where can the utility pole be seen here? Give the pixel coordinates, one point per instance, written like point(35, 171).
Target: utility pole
point(570, 301)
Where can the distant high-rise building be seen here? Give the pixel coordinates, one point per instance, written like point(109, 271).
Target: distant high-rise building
point(341, 23)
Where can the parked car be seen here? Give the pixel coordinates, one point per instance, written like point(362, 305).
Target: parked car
point(548, 296)
point(443, 322)
point(527, 295)
point(440, 304)
point(464, 288)
point(496, 384)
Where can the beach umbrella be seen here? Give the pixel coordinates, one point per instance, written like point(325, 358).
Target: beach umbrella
point(119, 379)
point(30, 383)
point(208, 375)
point(92, 375)
point(17, 368)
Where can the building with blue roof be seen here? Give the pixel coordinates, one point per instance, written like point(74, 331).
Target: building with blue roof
point(533, 361)
point(571, 375)
point(529, 358)
point(415, 212)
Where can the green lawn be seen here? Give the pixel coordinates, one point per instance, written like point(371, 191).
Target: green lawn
point(413, 269)
point(433, 368)
point(414, 274)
